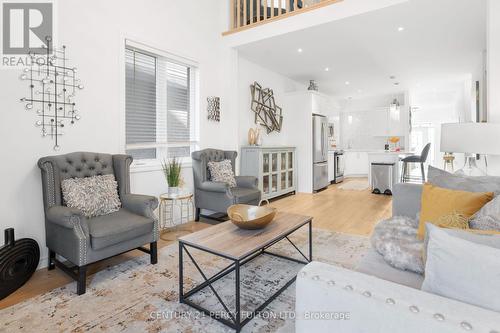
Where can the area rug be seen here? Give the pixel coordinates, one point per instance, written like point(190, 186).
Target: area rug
point(355, 185)
point(138, 297)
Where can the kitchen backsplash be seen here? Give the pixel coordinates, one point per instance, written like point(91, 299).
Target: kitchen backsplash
point(356, 132)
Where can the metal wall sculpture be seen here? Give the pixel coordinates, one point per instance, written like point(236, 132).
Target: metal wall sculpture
point(53, 86)
point(267, 113)
point(213, 108)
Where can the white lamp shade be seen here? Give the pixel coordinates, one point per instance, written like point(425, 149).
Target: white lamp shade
point(473, 138)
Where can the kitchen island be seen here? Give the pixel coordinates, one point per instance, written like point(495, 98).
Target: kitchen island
point(383, 156)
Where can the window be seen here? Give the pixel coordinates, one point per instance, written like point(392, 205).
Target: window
point(160, 106)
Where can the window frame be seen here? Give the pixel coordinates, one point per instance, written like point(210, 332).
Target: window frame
point(155, 164)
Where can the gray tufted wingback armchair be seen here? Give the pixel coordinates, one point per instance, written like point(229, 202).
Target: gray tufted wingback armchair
point(83, 240)
point(217, 196)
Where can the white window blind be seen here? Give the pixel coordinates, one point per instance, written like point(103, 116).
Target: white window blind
point(160, 106)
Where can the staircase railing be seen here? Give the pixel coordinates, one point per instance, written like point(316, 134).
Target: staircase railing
point(246, 14)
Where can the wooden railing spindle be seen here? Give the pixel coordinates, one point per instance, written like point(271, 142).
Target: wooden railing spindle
point(232, 14)
point(258, 9)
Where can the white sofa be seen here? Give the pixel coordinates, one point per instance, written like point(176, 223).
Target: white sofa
point(379, 298)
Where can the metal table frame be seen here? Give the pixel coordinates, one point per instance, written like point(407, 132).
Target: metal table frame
point(235, 321)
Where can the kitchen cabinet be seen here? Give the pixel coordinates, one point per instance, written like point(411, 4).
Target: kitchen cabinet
point(331, 166)
point(356, 163)
point(274, 167)
point(389, 123)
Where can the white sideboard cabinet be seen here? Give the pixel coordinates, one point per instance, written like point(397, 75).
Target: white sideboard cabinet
point(274, 167)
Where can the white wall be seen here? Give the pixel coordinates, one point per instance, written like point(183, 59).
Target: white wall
point(248, 73)
point(493, 70)
point(94, 34)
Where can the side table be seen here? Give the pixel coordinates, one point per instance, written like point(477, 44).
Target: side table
point(174, 210)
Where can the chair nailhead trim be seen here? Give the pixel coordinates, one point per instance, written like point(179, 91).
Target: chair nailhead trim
point(466, 326)
point(414, 309)
point(438, 317)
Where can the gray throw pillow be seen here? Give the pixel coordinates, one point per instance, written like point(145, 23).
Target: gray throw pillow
point(460, 182)
point(395, 239)
point(488, 217)
point(94, 196)
point(462, 270)
point(222, 172)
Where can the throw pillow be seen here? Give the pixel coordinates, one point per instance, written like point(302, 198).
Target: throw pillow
point(484, 237)
point(462, 270)
point(222, 172)
point(94, 196)
point(488, 217)
point(395, 240)
point(440, 205)
point(454, 181)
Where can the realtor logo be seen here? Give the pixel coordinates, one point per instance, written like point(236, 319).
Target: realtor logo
point(26, 27)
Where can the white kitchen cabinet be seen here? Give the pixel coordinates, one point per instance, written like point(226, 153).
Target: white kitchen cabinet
point(331, 166)
point(320, 104)
point(387, 123)
point(356, 163)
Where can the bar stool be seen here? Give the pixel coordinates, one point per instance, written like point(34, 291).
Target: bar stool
point(405, 177)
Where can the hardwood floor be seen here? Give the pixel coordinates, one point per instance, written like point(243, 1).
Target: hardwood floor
point(333, 209)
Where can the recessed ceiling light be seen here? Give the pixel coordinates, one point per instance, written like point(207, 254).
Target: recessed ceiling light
point(299, 50)
point(401, 28)
point(327, 69)
point(392, 77)
point(396, 83)
point(347, 83)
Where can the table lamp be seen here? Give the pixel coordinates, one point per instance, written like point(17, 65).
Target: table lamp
point(471, 139)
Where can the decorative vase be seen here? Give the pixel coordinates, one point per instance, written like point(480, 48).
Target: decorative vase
point(251, 137)
point(173, 190)
point(258, 137)
point(313, 85)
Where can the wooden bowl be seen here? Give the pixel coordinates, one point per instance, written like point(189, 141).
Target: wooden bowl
point(251, 217)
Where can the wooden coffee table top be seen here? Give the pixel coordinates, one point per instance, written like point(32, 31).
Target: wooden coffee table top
point(228, 240)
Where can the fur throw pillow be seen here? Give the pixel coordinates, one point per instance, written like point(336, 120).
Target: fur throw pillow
point(222, 172)
point(396, 240)
point(488, 217)
point(94, 196)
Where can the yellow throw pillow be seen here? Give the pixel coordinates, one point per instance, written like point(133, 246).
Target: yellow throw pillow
point(444, 207)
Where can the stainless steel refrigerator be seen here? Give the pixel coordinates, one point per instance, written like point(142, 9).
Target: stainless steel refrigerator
point(320, 152)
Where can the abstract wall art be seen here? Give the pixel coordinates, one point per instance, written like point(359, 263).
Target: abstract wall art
point(213, 108)
point(52, 88)
point(267, 113)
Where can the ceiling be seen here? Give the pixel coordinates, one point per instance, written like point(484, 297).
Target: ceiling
point(441, 41)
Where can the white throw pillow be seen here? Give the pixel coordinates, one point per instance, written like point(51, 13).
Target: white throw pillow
point(222, 172)
point(462, 270)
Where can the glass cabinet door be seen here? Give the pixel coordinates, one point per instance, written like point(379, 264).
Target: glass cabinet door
point(290, 179)
point(265, 184)
point(283, 161)
point(274, 182)
point(265, 163)
point(274, 163)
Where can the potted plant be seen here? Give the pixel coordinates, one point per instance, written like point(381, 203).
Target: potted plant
point(172, 171)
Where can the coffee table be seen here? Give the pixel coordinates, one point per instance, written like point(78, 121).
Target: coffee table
point(239, 246)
